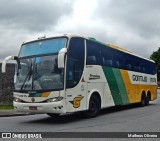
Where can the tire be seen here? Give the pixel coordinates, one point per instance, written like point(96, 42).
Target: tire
point(143, 101)
point(147, 101)
point(148, 98)
point(53, 115)
point(94, 107)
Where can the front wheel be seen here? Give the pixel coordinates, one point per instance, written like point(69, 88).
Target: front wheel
point(94, 107)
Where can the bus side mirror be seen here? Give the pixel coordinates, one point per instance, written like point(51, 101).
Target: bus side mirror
point(61, 56)
point(5, 62)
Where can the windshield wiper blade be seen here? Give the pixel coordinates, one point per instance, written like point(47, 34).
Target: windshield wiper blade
point(28, 76)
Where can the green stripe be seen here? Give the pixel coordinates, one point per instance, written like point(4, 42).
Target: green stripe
point(35, 95)
point(32, 95)
point(121, 86)
point(39, 95)
point(113, 85)
point(116, 84)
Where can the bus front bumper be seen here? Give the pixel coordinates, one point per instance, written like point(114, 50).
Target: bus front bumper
point(51, 107)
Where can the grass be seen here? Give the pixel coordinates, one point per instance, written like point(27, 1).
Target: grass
point(6, 107)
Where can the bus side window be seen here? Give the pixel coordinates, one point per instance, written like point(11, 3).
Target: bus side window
point(151, 68)
point(94, 56)
point(91, 60)
point(143, 69)
point(142, 66)
point(117, 64)
point(129, 67)
point(107, 56)
point(107, 62)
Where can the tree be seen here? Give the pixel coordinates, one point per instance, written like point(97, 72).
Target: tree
point(156, 57)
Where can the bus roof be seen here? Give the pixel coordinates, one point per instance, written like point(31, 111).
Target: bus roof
point(69, 35)
point(127, 51)
point(121, 49)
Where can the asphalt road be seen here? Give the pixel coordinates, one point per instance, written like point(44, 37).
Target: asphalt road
point(116, 119)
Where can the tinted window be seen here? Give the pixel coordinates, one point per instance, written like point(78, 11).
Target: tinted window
point(99, 54)
point(107, 56)
point(75, 61)
point(94, 54)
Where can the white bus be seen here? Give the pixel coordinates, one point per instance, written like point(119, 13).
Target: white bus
point(70, 73)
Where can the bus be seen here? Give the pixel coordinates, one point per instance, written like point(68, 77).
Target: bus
point(70, 73)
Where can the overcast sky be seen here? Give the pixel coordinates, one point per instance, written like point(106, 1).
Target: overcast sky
point(131, 24)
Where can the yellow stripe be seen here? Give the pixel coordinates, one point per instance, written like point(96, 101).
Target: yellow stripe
point(118, 48)
point(45, 94)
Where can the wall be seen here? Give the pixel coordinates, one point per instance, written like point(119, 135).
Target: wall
point(7, 84)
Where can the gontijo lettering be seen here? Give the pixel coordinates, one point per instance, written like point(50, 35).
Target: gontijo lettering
point(139, 78)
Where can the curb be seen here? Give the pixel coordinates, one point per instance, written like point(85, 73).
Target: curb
point(11, 113)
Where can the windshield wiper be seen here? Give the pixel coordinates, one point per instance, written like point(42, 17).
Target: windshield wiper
point(28, 76)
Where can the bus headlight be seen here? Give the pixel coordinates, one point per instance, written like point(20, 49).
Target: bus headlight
point(17, 100)
point(55, 99)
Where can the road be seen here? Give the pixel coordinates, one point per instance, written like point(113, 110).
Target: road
point(115, 119)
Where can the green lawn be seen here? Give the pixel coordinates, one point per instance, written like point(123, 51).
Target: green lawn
point(4, 107)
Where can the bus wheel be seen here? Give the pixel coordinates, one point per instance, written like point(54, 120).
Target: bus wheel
point(143, 101)
point(53, 115)
point(148, 98)
point(147, 101)
point(94, 107)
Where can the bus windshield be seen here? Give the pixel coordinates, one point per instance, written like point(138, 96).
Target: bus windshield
point(38, 73)
point(37, 67)
point(43, 47)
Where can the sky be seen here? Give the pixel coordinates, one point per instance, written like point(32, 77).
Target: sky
point(130, 24)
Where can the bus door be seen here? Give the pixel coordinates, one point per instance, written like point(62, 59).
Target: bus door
point(75, 86)
point(76, 98)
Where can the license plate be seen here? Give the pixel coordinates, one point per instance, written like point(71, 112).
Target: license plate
point(32, 108)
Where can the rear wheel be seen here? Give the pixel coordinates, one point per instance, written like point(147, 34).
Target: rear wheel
point(147, 101)
point(94, 107)
point(148, 98)
point(143, 101)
